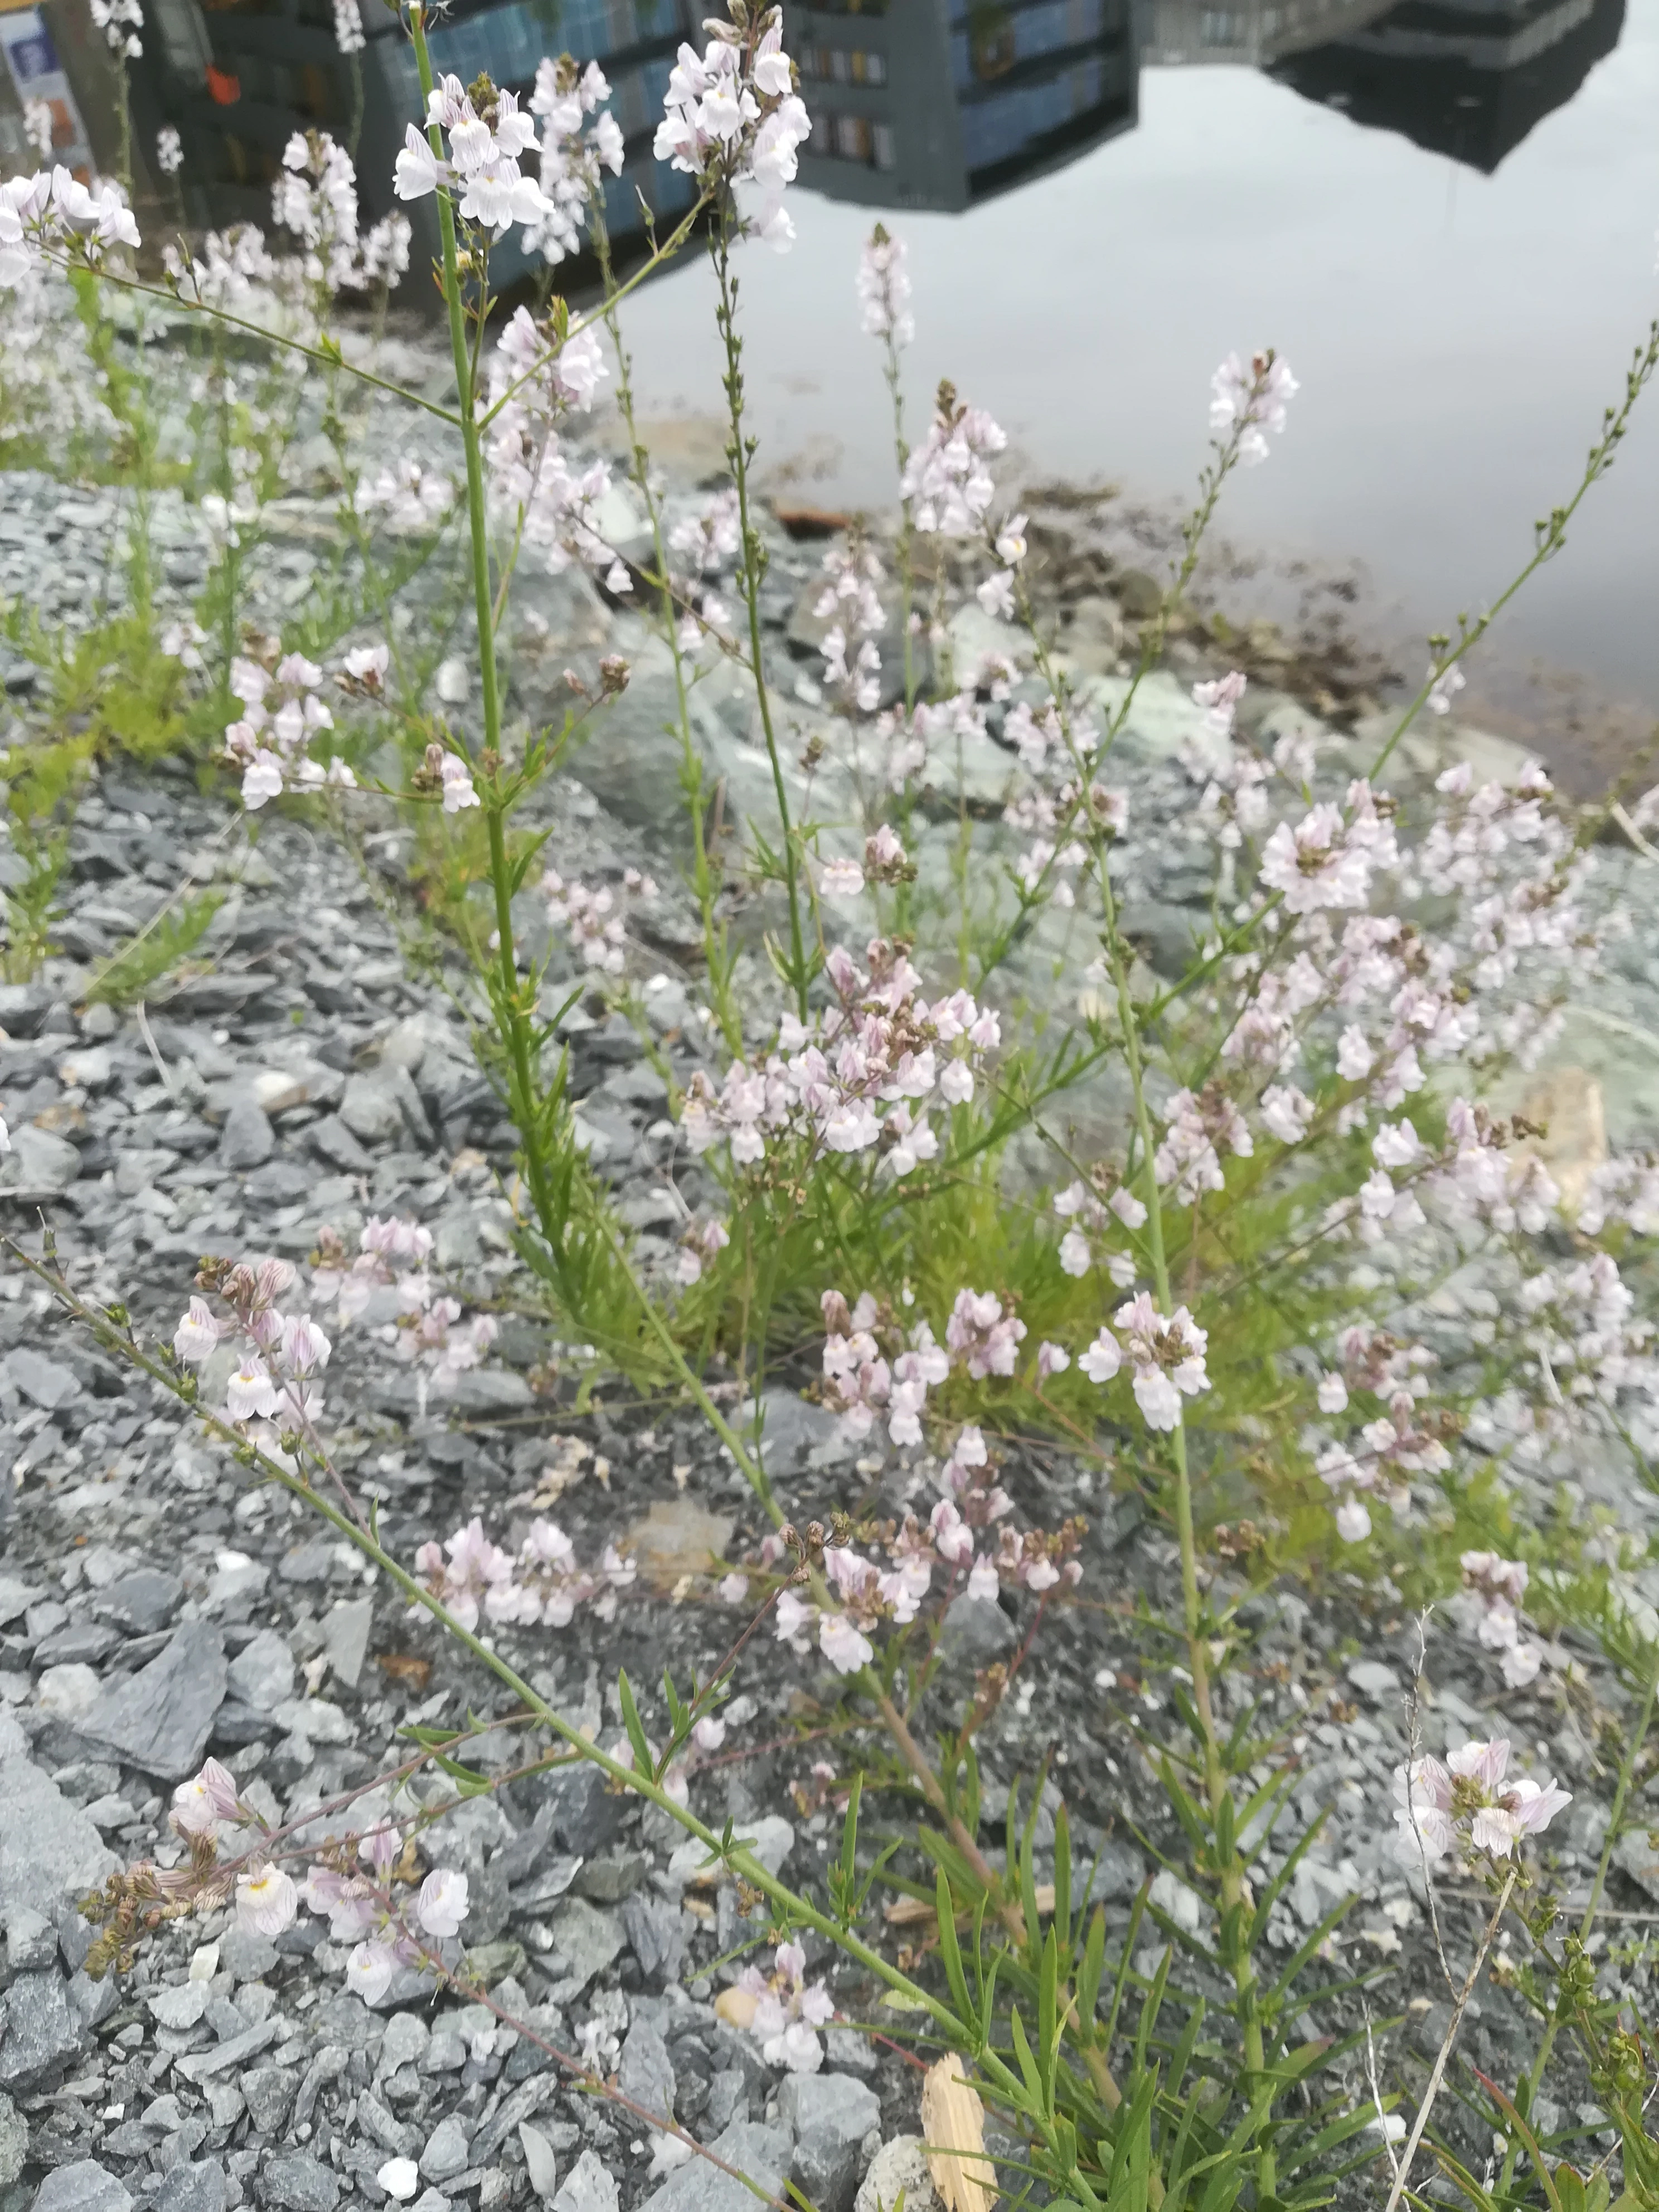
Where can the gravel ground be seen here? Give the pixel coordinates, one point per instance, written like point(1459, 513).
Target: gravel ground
point(299, 1074)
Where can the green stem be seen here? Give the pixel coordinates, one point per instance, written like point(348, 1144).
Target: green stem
point(514, 1017)
point(716, 959)
point(739, 452)
point(1636, 1739)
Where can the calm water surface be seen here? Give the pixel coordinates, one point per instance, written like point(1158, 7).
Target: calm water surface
point(1456, 335)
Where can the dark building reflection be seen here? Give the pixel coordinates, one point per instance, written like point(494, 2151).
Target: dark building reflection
point(1465, 77)
point(941, 103)
point(239, 77)
point(934, 104)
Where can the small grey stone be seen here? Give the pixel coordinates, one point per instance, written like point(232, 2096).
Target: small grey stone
point(830, 2115)
point(332, 1141)
point(1119, 1872)
point(590, 2186)
point(308, 1563)
point(31, 1939)
point(78, 1642)
point(204, 2065)
point(181, 2006)
point(69, 1691)
point(262, 1673)
point(47, 1848)
point(446, 2151)
point(141, 1603)
point(762, 2153)
point(40, 1165)
point(268, 2092)
point(160, 1719)
point(646, 2073)
point(586, 1815)
point(187, 2188)
point(248, 1140)
point(245, 1954)
point(656, 1929)
point(345, 1638)
point(1379, 1682)
point(975, 1631)
point(390, 2134)
point(82, 2187)
point(15, 1597)
point(539, 2162)
point(14, 2142)
point(899, 2165)
point(383, 1104)
point(406, 2037)
point(43, 2031)
point(585, 1940)
point(41, 1381)
point(728, 2095)
point(299, 2183)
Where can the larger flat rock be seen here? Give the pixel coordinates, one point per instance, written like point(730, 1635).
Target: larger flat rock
point(49, 1849)
point(160, 1718)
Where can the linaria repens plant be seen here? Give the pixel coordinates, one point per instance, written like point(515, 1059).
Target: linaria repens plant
point(1214, 1297)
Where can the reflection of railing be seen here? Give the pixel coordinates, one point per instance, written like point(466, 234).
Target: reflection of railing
point(1247, 33)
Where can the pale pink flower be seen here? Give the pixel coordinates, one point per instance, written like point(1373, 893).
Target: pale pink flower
point(207, 1798)
point(267, 1900)
point(842, 1645)
point(368, 1975)
point(441, 1905)
point(250, 1394)
point(196, 1334)
point(1104, 1358)
point(458, 786)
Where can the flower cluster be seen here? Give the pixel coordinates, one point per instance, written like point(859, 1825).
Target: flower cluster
point(1090, 1208)
point(120, 21)
point(1188, 1159)
point(233, 265)
point(353, 1886)
point(883, 288)
point(1468, 1807)
point(945, 480)
point(169, 150)
point(390, 1282)
point(850, 603)
point(574, 157)
point(408, 493)
point(315, 197)
point(1500, 1585)
point(885, 861)
point(485, 148)
point(788, 2008)
point(280, 714)
point(857, 1078)
point(873, 1369)
point(733, 117)
point(1249, 400)
point(859, 1596)
point(274, 1389)
point(537, 375)
point(592, 919)
point(52, 215)
point(1166, 1358)
point(539, 1584)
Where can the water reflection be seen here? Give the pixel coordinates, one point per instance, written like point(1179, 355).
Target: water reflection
point(1469, 78)
point(918, 104)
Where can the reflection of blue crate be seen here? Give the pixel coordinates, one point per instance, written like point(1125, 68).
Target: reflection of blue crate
point(32, 57)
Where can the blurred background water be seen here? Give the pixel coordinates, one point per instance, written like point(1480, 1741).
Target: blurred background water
point(1442, 212)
